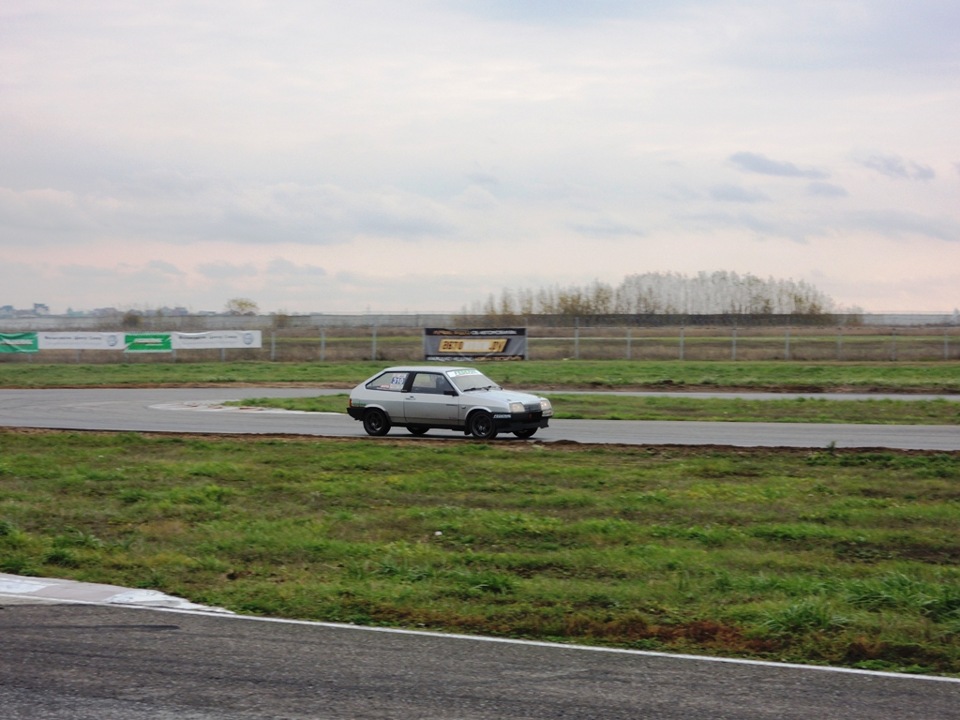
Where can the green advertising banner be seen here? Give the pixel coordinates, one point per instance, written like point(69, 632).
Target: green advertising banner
point(18, 342)
point(148, 342)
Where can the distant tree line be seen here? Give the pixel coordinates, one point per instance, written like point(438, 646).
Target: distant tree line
point(716, 293)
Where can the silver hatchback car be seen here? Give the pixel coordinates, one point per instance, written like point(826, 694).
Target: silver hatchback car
point(455, 398)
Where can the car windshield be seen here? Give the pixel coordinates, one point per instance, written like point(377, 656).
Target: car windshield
point(474, 381)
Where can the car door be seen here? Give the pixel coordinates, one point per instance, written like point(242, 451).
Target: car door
point(386, 390)
point(431, 400)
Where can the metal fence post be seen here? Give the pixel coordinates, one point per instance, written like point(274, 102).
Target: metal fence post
point(323, 344)
point(682, 339)
point(786, 345)
point(733, 344)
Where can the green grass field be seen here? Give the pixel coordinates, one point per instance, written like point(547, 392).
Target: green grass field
point(932, 377)
point(840, 557)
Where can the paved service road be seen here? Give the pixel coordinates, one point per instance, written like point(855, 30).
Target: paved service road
point(194, 410)
point(88, 662)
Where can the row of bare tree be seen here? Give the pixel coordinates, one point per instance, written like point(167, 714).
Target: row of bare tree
point(666, 293)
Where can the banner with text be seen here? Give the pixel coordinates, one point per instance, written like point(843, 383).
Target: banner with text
point(18, 342)
point(473, 344)
point(147, 342)
point(217, 340)
point(31, 342)
point(80, 340)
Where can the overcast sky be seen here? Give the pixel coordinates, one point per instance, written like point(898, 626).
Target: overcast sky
point(383, 155)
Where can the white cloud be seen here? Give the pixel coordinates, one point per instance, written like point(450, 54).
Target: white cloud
point(736, 193)
point(896, 167)
point(825, 189)
point(285, 268)
point(899, 224)
point(761, 164)
point(226, 270)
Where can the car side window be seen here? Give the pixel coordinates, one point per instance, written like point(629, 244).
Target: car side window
point(430, 383)
point(389, 381)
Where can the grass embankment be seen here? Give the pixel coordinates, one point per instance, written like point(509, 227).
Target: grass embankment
point(933, 377)
point(842, 557)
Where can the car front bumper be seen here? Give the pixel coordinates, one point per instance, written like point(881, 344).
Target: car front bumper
point(507, 422)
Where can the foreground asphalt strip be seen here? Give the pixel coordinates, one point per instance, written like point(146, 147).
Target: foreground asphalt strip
point(52, 590)
point(46, 590)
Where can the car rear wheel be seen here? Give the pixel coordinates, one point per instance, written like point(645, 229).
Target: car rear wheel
point(524, 434)
point(417, 429)
point(481, 425)
point(376, 422)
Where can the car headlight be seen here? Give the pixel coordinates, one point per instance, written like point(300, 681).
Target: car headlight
point(516, 408)
point(546, 407)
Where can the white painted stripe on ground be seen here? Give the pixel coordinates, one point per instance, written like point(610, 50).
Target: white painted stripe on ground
point(69, 591)
point(56, 590)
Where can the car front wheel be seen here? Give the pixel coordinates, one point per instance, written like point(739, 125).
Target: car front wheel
point(376, 422)
point(417, 429)
point(481, 425)
point(524, 434)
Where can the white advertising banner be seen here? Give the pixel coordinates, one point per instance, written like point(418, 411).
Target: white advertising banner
point(217, 340)
point(142, 342)
point(80, 341)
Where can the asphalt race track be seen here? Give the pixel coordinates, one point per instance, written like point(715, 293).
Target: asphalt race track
point(86, 662)
point(72, 655)
point(191, 410)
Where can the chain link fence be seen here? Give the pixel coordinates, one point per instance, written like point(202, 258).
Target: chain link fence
point(399, 343)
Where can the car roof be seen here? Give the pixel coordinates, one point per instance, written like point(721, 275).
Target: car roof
point(427, 368)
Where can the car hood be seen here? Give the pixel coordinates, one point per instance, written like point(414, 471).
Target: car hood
point(504, 396)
